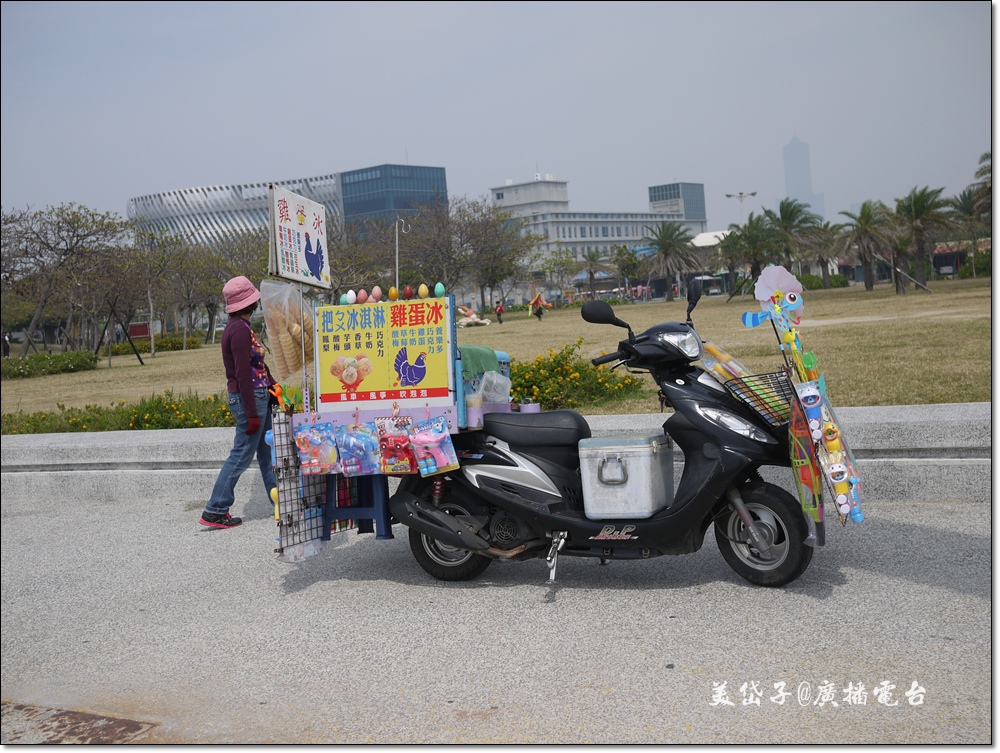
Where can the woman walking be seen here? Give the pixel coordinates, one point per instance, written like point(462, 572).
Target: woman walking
point(248, 380)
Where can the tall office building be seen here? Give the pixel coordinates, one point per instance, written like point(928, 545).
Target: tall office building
point(683, 200)
point(798, 177)
point(386, 191)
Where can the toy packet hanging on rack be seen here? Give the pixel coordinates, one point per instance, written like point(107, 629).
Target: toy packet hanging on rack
point(433, 447)
point(317, 445)
point(394, 443)
point(359, 450)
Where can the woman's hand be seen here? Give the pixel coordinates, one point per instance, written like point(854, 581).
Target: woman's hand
point(253, 426)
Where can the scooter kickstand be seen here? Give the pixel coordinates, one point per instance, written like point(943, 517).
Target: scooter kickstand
point(558, 540)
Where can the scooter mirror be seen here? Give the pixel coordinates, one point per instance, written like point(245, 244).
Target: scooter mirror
point(598, 312)
point(694, 295)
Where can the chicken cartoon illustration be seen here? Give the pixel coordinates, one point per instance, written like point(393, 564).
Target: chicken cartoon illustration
point(410, 374)
point(314, 259)
point(351, 371)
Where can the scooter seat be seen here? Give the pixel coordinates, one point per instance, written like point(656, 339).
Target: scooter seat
point(558, 428)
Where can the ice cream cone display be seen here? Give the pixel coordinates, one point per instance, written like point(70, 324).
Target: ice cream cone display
point(290, 327)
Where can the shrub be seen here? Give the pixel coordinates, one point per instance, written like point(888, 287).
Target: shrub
point(156, 412)
point(815, 282)
point(811, 282)
point(39, 364)
point(163, 344)
point(983, 263)
point(563, 379)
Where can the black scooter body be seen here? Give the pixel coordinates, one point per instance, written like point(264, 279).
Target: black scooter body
point(715, 460)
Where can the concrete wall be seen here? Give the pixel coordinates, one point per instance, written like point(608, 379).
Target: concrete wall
point(909, 453)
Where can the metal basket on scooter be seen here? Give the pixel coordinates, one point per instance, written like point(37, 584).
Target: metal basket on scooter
point(768, 394)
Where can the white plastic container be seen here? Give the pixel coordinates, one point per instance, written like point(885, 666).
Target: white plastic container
point(626, 476)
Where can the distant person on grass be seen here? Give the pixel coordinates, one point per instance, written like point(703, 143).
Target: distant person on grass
point(248, 380)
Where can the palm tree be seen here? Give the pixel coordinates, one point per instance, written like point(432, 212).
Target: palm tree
point(674, 252)
point(626, 263)
point(759, 242)
point(819, 246)
point(984, 184)
point(922, 212)
point(965, 208)
point(793, 219)
point(868, 232)
point(593, 262)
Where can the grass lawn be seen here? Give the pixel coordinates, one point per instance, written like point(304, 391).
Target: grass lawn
point(875, 349)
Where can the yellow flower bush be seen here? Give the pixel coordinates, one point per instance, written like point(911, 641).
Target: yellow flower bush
point(563, 379)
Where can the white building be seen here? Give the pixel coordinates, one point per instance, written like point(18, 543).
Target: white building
point(544, 205)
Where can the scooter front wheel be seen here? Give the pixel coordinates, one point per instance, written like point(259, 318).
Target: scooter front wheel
point(446, 562)
point(779, 518)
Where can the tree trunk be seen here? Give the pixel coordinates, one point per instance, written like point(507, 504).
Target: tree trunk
point(152, 339)
point(35, 319)
point(919, 270)
point(825, 266)
point(868, 271)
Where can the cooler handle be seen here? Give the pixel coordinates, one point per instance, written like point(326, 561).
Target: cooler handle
point(614, 481)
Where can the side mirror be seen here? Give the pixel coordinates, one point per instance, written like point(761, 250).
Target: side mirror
point(694, 295)
point(600, 312)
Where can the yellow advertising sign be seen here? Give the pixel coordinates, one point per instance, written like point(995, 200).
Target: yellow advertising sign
point(392, 351)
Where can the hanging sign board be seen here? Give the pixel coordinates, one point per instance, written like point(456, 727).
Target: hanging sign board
point(297, 251)
point(374, 355)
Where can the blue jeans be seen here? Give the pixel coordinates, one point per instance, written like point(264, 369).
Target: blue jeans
point(244, 448)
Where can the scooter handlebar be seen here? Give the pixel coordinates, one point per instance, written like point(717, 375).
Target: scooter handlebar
point(616, 356)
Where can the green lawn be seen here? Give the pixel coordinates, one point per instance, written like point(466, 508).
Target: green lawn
point(875, 349)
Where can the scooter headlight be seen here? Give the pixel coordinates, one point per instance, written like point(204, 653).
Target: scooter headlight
point(687, 343)
point(736, 424)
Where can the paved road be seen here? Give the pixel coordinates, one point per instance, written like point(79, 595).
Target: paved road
point(140, 613)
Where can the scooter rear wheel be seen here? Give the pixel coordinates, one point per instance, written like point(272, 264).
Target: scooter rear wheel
point(780, 518)
point(446, 562)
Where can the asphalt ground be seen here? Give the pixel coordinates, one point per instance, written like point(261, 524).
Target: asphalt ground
point(139, 613)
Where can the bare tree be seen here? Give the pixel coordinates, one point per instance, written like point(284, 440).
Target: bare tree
point(47, 243)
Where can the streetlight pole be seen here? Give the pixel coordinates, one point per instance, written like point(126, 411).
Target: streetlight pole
point(741, 196)
point(400, 222)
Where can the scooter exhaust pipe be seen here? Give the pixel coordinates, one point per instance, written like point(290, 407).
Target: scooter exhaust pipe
point(757, 538)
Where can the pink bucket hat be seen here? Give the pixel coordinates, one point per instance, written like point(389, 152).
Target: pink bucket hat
point(239, 293)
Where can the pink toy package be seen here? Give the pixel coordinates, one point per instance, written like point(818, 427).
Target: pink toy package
point(433, 446)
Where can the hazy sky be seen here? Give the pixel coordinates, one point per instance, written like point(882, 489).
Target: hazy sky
point(102, 102)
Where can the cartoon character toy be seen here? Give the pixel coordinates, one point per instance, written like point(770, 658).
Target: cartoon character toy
point(811, 402)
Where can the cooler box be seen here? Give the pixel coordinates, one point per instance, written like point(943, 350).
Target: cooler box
point(626, 476)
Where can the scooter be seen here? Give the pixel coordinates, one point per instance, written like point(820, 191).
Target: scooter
point(519, 495)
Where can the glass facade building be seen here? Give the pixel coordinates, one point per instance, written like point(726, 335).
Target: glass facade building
point(386, 191)
point(210, 213)
point(684, 200)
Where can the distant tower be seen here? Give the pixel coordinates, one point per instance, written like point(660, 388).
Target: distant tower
point(798, 179)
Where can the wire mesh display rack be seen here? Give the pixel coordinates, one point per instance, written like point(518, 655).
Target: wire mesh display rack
point(768, 394)
point(301, 498)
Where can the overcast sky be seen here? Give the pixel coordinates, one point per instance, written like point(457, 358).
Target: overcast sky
point(102, 102)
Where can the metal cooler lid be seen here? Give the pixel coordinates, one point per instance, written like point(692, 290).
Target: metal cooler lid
point(624, 442)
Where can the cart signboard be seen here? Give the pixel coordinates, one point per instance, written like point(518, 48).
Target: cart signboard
point(297, 251)
point(381, 355)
